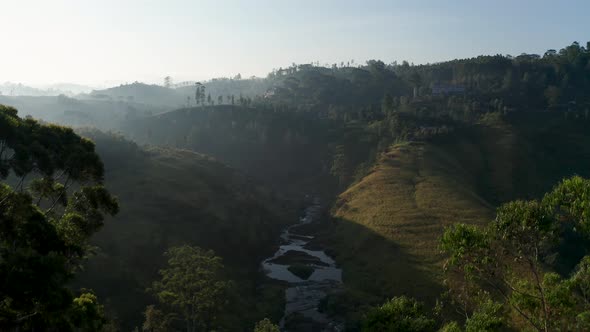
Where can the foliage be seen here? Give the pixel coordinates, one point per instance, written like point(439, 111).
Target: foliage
point(451, 327)
point(266, 325)
point(398, 314)
point(460, 88)
point(156, 320)
point(87, 314)
point(313, 121)
point(570, 201)
point(48, 215)
point(510, 256)
point(487, 317)
point(189, 198)
point(191, 286)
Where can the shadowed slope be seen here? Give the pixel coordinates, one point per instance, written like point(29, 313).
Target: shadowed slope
point(389, 223)
point(412, 194)
point(170, 197)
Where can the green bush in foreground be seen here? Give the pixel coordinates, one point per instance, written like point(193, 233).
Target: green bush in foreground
point(502, 271)
point(398, 314)
point(510, 259)
point(266, 325)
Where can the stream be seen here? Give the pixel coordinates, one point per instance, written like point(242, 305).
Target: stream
point(316, 276)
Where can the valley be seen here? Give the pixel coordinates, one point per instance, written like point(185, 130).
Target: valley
point(310, 274)
point(319, 198)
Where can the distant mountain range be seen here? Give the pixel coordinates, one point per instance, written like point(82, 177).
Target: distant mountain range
point(19, 89)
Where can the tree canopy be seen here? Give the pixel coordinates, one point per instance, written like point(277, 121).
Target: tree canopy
point(510, 260)
point(398, 314)
point(52, 199)
point(191, 287)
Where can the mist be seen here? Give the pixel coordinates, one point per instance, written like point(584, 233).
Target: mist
point(312, 166)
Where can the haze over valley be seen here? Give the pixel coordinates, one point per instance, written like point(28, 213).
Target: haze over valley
point(259, 166)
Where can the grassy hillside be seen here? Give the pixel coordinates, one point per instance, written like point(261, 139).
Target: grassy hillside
point(387, 225)
point(170, 197)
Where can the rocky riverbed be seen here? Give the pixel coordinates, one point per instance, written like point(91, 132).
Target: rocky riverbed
point(311, 275)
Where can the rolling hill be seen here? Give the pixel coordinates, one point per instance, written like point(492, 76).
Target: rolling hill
point(170, 197)
point(387, 225)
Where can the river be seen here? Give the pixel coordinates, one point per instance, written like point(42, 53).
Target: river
point(310, 274)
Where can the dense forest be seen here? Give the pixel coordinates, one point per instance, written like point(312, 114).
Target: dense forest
point(452, 196)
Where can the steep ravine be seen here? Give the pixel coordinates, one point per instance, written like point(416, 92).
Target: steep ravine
point(310, 274)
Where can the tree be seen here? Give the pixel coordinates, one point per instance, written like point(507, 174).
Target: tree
point(48, 215)
point(486, 318)
point(508, 81)
point(341, 165)
point(387, 104)
point(398, 314)
point(168, 82)
point(156, 320)
point(451, 327)
point(202, 95)
point(198, 86)
point(550, 53)
point(266, 325)
point(191, 286)
point(416, 80)
point(552, 94)
point(87, 314)
point(510, 256)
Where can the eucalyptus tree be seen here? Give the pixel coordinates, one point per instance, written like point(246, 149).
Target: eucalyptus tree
point(509, 260)
point(266, 325)
point(191, 286)
point(52, 199)
point(200, 93)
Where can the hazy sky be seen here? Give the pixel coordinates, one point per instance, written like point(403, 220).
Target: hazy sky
point(112, 41)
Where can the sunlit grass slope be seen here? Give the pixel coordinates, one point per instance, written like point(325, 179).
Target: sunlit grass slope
point(387, 226)
point(389, 223)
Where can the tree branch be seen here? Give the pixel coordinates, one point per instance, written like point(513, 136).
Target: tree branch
point(66, 187)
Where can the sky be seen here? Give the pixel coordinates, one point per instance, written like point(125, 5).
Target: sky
point(108, 42)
